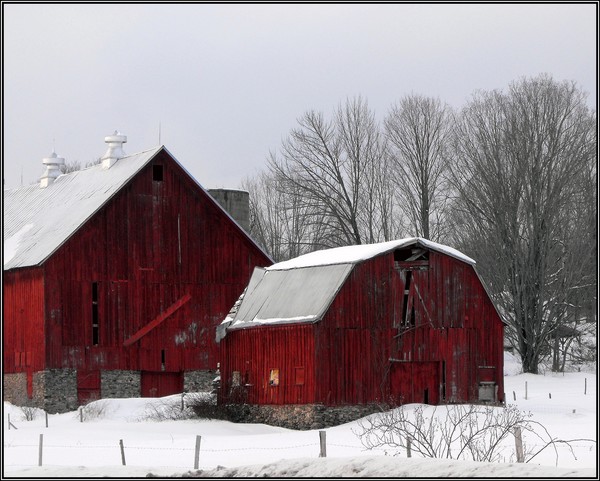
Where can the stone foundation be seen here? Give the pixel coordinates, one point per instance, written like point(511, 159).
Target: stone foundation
point(55, 390)
point(300, 416)
point(14, 388)
point(120, 384)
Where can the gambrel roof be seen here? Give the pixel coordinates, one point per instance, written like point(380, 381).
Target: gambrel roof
point(37, 221)
point(302, 289)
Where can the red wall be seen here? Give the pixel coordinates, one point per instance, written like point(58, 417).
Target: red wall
point(149, 246)
point(23, 320)
point(362, 354)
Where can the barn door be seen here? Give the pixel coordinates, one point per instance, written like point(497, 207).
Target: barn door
point(159, 384)
point(415, 382)
point(88, 386)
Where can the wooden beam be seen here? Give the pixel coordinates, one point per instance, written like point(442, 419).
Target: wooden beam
point(157, 320)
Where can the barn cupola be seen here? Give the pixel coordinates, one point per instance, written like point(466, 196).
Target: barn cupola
point(115, 149)
point(53, 163)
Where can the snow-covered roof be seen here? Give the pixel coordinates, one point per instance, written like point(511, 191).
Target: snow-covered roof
point(301, 290)
point(359, 253)
point(37, 221)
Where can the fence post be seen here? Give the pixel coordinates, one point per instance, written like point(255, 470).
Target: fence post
point(122, 451)
point(80, 414)
point(197, 452)
point(585, 386)
point(9, 421)
point(408, 452)
point(525, 389)
point(323, 443)
point(40, 450)
point(46, 418)
point(519, 445)
point(514, 396)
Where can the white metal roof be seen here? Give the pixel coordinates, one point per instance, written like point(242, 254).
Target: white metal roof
point(38, 220)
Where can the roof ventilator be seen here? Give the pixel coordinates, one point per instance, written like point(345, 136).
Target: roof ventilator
point(53, 164)
point(115, 149)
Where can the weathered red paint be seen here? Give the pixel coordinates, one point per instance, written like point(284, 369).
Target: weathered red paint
point(362, 352)
point(150, 245)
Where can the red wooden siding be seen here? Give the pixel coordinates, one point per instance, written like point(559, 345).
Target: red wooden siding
point(150, 245)
point(23, 320)
point(364, 350)
point(254, 353)
point(159, 384)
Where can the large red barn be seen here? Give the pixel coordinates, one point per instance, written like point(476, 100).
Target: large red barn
point(114, 279)
point(398, 322)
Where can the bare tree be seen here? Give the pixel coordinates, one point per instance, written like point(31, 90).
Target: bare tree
point(518, 158)
point(336, 169)
point(419, 129)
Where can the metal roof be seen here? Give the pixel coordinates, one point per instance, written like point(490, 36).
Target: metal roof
point(289, 296)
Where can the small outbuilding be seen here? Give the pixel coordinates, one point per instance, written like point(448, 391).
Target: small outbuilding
point(334, 332)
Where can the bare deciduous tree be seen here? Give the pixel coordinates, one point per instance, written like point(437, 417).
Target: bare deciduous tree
point(337, 169)
point(518, 161)
point(419, 130)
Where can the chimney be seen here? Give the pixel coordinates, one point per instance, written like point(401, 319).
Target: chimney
point(53, 164)
point(115, 149)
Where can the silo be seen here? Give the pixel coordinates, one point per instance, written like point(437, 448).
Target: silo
point(236, 203)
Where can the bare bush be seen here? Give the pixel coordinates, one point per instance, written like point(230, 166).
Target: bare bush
point(466, 432)
point(94, 409)
point(178, 407)
point(29, 412)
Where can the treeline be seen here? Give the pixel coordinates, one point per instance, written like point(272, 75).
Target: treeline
point(510, 179)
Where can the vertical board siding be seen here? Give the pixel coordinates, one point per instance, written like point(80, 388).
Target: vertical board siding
point(148, 246)
point(364, 354)
point(255, 352)
point(23, 320)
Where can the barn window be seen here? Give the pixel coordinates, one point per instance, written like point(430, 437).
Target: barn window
point(157, 173)
point(95, 320)
point(274, 377)
point(236, 378)
point(299, 375)
point(162, 359)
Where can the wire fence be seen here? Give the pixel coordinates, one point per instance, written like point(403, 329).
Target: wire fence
point(38, 452)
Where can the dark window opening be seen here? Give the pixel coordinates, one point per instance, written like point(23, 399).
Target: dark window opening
point(443, 379)
point(426, 396)
point(406, 292)
point(157, 173)
point(162, 358)
point(95, 317)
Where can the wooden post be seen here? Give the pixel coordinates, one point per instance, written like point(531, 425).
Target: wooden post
point(549, 395)
point(80, 414)
point(585, 386)
point(197, 452)
point(514, 396)
point(525, 389)
point(323, 443)
point(519, 445)
point(40, 450)
point(122, 451)
point(46, 418)
point(11, 424)
point(408, 452)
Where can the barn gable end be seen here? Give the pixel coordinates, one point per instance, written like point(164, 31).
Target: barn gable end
point(124, 278)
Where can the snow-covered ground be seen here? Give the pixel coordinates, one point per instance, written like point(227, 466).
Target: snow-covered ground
point(71, 448)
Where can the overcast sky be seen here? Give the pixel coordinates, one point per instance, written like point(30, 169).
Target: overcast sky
point(226, 82)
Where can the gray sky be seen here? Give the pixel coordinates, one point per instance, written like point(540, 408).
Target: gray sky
point(226, 82)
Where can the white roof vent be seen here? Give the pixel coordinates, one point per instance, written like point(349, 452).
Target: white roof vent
point(53, 164)
point(115, 149)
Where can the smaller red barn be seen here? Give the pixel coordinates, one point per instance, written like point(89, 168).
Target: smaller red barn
point(338, 330)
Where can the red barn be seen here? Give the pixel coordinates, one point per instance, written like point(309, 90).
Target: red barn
point(398, 322)
point(114, 279)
